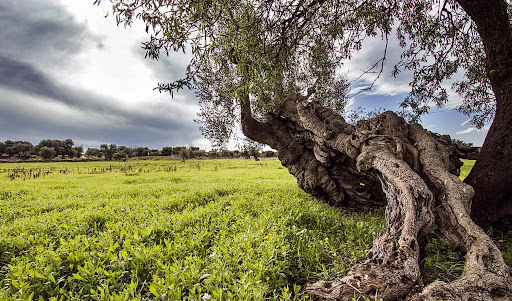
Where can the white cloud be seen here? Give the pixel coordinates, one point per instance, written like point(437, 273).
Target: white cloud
point(471, 130)
point(467, 131)
point(372, 51)
point(467, 122)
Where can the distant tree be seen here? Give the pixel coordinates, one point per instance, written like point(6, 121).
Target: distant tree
point(177, 149)
point(93, 152)
point(118, 156)
point(360, 113)
point(251, 148)
point(244, 152)
point(106, 151)
point(270, 154)
point(167, 151)
point(3, 148)
point(57, 145)
point(213, 153)
point(461, 143)
point(255, 153)
point(141, 151)
point(10, 151)
point(224, 152)
point(23, 149)
point(47, 153)
point(154, 152)
point(79, 151)
point(126, 150)
point(198, 154)
point(9, 148)
point(67, 148)
point(184, 154)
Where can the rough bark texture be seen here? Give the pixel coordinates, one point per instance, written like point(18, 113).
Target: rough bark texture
point(381, 161)
point(414, 173)
point(491, 176)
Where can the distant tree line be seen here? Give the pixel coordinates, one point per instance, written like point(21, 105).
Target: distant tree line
point(49, 149)
point(46, 149)
point(114, 152)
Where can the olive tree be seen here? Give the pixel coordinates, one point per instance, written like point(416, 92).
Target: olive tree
point(274, 68)
point(47, 153)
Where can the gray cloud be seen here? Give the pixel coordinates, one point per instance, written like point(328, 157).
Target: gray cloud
point(41, 32)
point(27, 79)
point(35, 118)
point(35, 103)
point(160, 119)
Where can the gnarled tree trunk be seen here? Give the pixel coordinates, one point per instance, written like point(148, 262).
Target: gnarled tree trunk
point(414, 173)
point(385, 161)
point(491, 176)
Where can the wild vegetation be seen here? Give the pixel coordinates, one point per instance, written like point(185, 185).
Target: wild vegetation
point(171, 230)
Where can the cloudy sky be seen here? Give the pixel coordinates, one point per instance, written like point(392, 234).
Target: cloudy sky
point(67, 71)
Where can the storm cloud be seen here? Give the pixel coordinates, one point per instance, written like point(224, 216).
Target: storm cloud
point(38, 99)
point(42, 32)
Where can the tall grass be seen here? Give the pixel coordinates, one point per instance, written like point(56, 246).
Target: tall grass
point(167, 230)
point(171, 230)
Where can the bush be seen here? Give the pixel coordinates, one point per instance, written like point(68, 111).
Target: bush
point(119, 156)
point(47, 153)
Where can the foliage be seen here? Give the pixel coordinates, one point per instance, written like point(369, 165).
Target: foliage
point(20, 149)
point(118, 156)
point(267, 49)
point(360, 113)
point(25, 149)
point(459, 142)
point(62, 147)
point(47, 153)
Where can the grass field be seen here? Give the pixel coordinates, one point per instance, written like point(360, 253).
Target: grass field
point(168, 230)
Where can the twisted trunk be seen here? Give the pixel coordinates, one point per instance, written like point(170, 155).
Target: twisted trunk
point(414, 173)
point(385, 161)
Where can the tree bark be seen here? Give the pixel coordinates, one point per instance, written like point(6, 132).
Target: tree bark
point(491, 177)
point(414, 173)
point(385, 161)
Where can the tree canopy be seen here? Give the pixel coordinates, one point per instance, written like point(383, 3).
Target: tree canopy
point(268, 49)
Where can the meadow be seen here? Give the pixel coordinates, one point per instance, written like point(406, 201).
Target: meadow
point(170, 230)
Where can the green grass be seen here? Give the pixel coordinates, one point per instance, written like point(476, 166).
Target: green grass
point(466, 168)
point(167, 230)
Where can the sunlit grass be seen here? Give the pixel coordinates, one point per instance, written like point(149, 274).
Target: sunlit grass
point(466, 168)
point(167, 230)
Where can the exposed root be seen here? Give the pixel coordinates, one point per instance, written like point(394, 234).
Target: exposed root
point(485, 276)
point(416, 170)
point(391, 268)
